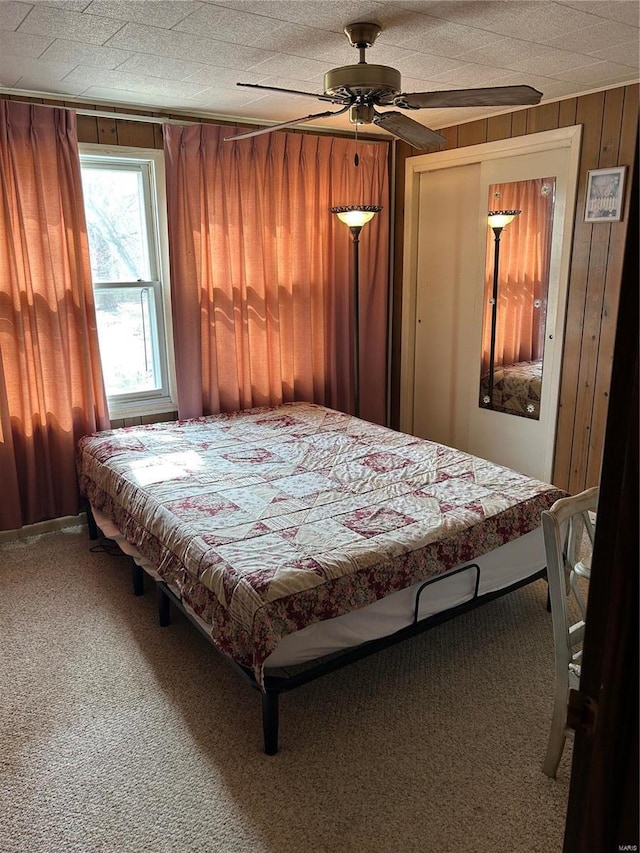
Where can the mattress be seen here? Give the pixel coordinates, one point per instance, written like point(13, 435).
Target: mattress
point(508, 564)
point(268, 521)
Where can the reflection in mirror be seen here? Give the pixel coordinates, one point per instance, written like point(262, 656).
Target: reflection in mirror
point(516, 290)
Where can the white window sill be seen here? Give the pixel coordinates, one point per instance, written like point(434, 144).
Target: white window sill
point(140, 409)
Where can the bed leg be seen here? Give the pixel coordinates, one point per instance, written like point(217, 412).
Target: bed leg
point(270, 722)
point(91, 522)
point(137, 578)
point(164, 607)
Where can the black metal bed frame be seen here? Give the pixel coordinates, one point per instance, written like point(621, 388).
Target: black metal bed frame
point(274, 685)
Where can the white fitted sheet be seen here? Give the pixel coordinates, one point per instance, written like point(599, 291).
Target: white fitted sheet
point(515, 561)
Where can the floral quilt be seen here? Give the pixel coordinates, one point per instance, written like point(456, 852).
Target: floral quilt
point(270, 519)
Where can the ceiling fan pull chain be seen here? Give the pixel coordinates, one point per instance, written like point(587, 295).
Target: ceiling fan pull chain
point(356, 159)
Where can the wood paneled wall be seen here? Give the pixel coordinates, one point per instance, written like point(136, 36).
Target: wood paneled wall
point(610, 129)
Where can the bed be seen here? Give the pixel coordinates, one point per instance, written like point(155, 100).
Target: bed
point(298, 538)
point(516, 389)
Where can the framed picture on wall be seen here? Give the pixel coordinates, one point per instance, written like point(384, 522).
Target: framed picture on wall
point(605, 188)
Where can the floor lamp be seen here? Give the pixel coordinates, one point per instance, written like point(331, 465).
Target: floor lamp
point(355, 216)
point(497, 220)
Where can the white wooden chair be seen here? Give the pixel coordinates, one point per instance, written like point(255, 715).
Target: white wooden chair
point(564, 527)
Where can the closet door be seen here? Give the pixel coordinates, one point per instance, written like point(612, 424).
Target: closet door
point(447, 275)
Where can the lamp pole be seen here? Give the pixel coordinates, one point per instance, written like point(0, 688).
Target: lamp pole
point(494, 311)
point(355, 217)
point(355, 233)
point(497, 220)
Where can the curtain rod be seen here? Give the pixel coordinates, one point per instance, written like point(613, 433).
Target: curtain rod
point(30, 98)
point(227, 120)
point(127, 116)
point(83, 111)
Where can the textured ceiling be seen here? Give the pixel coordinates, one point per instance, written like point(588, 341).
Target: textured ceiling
point(187, 56)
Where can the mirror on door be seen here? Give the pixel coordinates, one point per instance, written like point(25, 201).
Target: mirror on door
point(516, 291)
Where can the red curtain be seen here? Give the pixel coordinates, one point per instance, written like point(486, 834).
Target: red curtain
point(523, 273)
point(51, 390)
point(262, 272)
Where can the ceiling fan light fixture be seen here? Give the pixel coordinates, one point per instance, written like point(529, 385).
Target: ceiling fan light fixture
point(361, 114)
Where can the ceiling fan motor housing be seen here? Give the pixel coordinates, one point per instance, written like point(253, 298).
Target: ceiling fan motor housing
point(362, 80)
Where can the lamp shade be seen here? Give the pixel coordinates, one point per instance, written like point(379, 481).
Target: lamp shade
point(356, 215)
point(501, 218)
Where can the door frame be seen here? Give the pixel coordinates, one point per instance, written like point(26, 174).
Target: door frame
point(565, 137)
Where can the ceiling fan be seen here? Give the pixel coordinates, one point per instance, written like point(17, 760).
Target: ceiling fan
point(361, 88)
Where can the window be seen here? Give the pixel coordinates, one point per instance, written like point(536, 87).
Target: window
point(124, 213)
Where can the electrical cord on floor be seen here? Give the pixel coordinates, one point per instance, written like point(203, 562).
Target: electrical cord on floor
point(106, 546)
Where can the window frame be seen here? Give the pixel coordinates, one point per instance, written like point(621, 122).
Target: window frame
point(150, 161)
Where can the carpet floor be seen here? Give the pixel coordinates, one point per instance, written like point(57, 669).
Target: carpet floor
point(118, 735)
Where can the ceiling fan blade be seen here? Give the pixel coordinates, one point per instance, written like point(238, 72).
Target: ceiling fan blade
point(284, 124)
point(408, 130)
point(496, 96)
point(290, 92)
